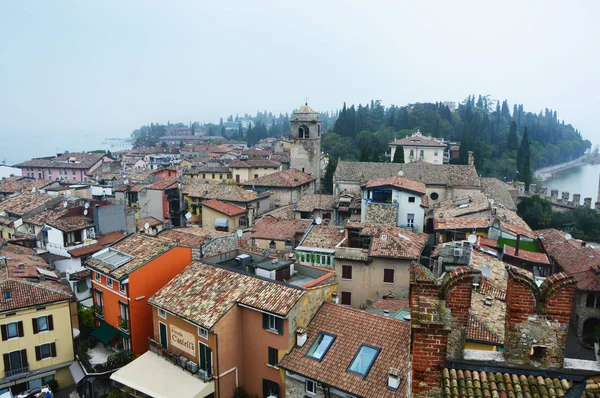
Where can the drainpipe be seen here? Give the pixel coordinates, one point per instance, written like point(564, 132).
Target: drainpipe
point(518, 244)
point(217, 355)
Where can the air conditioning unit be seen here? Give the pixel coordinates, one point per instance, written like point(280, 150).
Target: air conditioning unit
point(182, 361)
point(457, 252)
point(192, 367)
point(203, 374)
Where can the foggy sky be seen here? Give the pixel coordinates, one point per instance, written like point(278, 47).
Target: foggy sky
point(107, 67)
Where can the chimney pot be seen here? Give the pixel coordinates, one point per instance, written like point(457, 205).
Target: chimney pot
point(393, 379)
point(386, 312)
point(301, 337)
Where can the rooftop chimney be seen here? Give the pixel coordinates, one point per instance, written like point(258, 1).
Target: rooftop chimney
point(517, 245)
point(301, 337)
point(393, 379)
point(471, 159)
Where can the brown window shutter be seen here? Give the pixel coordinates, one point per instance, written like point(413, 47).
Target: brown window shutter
point(35, 325)
point(20, 327)
point(4, 332)
point(50, 323)
point(24, 358)
point(6, 358)
point(38, 353)
point(53, 349)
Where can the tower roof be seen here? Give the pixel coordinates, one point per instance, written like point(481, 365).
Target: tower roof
point(306, 113)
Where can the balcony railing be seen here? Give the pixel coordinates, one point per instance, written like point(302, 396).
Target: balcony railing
point(173, 356)
point(99, 312)
point(14, 372)
point(61, 250)
point(412, 227)
point(124, 324)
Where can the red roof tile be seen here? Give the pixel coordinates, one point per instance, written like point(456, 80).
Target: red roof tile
point(82, 251)
point(109, 238)
point(540, 258)
point(68, 224)
point(441, 224)
point(392, 242)
point(272, 228)
point(289, 178)
point(224, 208)
point(398, 182)
point(478, 331)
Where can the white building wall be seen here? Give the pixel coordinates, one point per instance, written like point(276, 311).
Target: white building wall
point(430, 155)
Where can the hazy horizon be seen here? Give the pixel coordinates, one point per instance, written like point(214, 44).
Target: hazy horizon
point(72, 68)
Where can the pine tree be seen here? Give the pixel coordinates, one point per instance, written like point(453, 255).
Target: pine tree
point(399, 155)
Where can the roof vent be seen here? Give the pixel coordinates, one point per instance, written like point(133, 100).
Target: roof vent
point(21, 265)
point(489, 300)
point(384, 237)
point(591, 257)
point(393, 379)
point(301, 337)
point(386, 312)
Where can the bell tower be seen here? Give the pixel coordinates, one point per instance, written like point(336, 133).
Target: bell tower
point(305, 154)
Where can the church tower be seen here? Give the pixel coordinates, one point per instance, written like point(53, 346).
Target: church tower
point(305, 154)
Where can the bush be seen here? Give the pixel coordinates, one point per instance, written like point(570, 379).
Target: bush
point(240, 392)
point(53, 384)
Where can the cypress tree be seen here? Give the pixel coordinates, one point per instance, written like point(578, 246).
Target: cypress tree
point(399, 155)
point(512, 140)
point(523, 154)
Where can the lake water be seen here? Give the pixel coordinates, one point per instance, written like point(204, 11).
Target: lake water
point(581, 179)
point(16, 149)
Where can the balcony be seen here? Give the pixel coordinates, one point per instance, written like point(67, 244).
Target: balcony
point(351, 253)
point(61, 250)
point(16, 372)
point(173, 356)
point(124, 324)
point(99, 312)
point(412, 227)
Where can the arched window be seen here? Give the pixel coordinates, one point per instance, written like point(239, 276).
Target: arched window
point(590, 300)
point(303, 131)
point(272, 245)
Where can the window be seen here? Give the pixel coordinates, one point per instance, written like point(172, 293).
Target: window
point(411, 199)
point(346, 272)
point(203, 332)
point(273, 356)
point(73, 171)
point(273, 323)
point(388, 275)
point(303, 131)
point(15, 362)
point(122, 287)
point(346, 298)
point(272, 245)
point(213, 176)
point(205, 358)
point(412, 153)
point(108, 282)
point(42, 324)
point(410, 219)
point(311, 387)
point(363, 360)
point(45, 351)
point(163, 335)
point(422, 153)
point(8, 294)
point(381, 195)
point(435, 153)
point(320, 346)
point(434, 196)
point(589, 302)
point(98, 276)
point(270, 388)
point(162, 313)
point(12, 330)
point(255, 175)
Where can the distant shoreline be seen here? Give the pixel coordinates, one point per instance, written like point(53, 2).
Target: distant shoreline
point(547, 172)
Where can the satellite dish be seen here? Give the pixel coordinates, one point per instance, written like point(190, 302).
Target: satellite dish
point(146, 226)
point(472, 239)
point(239, 233)
point(486, 271)
point(85, 212)
point(401, 173)
point(318, 220)
point(492, 201)
point(188, 215)
point(65, 204)
point(86, 205)
point(568, 237)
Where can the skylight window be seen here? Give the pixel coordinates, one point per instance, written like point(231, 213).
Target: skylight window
point(113, 258)
point(363, 360)
point(320, 346)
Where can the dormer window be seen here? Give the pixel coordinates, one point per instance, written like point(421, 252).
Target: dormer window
point(8, 294)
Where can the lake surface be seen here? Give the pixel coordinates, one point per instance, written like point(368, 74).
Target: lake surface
point(580, 179)
point(18, 148)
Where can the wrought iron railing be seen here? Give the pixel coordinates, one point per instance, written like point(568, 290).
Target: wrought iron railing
point(17, 371)
point(124, 324)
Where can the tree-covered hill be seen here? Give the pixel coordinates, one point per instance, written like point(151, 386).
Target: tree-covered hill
point(481, 125)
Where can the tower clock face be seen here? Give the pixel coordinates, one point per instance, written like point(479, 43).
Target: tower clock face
point(303, 131)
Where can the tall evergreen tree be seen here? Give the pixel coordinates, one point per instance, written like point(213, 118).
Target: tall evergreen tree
point(331, 166)
point(376, 155)
point(513, 139)
point(364, 153)
point(399, 155)
point(523, 154)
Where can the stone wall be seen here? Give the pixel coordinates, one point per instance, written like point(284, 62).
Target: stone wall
point(537, 319)
point(583, 313)
point(382, 213)
point(219, 245)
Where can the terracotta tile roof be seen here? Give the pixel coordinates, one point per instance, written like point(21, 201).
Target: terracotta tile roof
point(203, 293)
point(142, 248)
point(69, 160)
point(398, 182)
point(499, 191)
point(581, 262)
point(478, 332)
point(192, 236)
point(492, 317)
point(440, 224)
point(352, 329)
point(224, 207)
point(272, 228)
point(75, 223)
point(487, 242)
point(109, 238)
point(427, 173)
point(463, 384)
point(24, 203)
point(10, 186)
point(540, 258)
point(315, 201)
point(324, 236)
point(82, 251)
point(289, 178)
point(282, 213)
point(131, 187)
point(152, 222)
point(209, 169)
point(390, 305)
point(256, 152)
point(53, 213)
point(418, 141)
point(251, 163)
point(161, 185)
point(477, 206)
point(227, 193)
point(392, 242)
point(510, 221)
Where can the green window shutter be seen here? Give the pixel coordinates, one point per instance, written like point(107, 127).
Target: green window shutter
point(279, 324)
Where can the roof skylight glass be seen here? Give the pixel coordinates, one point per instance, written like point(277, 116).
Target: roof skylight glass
point(113, 258)
point(320, 346)
point(364, 359)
